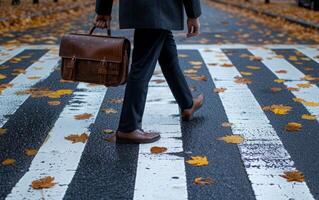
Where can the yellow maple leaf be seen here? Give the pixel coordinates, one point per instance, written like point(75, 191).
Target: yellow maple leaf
point(8, 161)
point(278, 109)
point(59, 93)
point(309, 117)
point(279, 80)
point(232, 139)
point(311, 103)
point(77, 138)
point(198, 161)
point(304, 85)
point(246, 73)
point(45, 182)
point(295, 175)
point(2, 76)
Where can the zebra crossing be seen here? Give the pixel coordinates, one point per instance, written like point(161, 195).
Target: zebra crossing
point(164, 176)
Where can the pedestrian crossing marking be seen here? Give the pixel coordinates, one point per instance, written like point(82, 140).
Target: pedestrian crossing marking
point(57, 157)
point(265, 180)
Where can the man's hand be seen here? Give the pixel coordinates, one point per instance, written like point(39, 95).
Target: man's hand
point(102, 21)
point(193, 26)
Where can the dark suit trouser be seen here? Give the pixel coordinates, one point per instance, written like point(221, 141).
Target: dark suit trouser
point(150, 46)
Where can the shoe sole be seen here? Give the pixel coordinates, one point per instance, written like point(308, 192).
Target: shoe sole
point(191, 117)
point(128, 141)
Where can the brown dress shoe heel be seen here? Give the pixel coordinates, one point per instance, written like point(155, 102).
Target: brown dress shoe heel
point(137, 137)
point(187, 114)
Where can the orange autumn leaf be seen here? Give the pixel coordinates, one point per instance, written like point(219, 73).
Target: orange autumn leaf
point(278, 109)
point(158, 150)
point(295, 176)
point(198, 78)
point(241, 80)
point(227, 65)
point(304, 85)
point(308, 117)
point(276, 89)
point(31, 152)
point(198, 161)
point(195, 62)
point(293, 126)
point(292, 89)
point(256, 58)
point(2, 76)
point(83, 116)
point(77, 138)
point(54, 103)
point(8, 161)
point(45, 182)
point(282, 71)
point(219, 90)
point(279, 80)
point(203, 181)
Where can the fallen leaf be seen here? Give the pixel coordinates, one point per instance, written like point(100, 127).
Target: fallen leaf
point(198, 78)
point(2, 76)
point(182, 55)
point(309, 117)
point(293, 126)
point(120, 100)
point(158, 81)
point(256, 58)
point(190, 71)
point(311, 103)
point(45, 182)
point(241, 80)
point(276, 89)
point(109, 110)
point(304, 85)
point(198, 161)
point(292, 89)
point(203, 181)
point(295, 176)
point(77, 138)
point(253, 67)
point(158, 150)
point(31, 152)
point(195, 62)
point(108, 131)
point(282, 71)
point(278, 109)
point(8, 161)
point(246, 73)
point(293, 58)
point(219, 90)
point(3, 131)
point(54, 103)
point(34, 77)
point(83, 116)
point(227, 65)
point(279, 80)
point(232, 139)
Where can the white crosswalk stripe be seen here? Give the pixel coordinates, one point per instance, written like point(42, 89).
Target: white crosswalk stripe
point(164, 174)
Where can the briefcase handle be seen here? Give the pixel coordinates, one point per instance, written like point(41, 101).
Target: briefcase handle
point(93, 28)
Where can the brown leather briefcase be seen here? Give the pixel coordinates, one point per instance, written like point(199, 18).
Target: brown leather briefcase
point(95, 58)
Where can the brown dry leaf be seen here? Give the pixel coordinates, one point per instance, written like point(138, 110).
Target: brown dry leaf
point(304, 85)
point(292, 89)
point(31, 152)
point(241, 80)
point(279, 80)
point(4, 67)
point(34, 77)
point(196, 67)
point(203, 181)
point(227, 65)
point(109, 110)
point(18, 71)
point(195, 62)
point(45, 182)
point(8, 161)
point(83, 116)
point(282, 71)
point(295, 175)
point(120, 100)
point(5, 86)
point(219, 90)
point(309, 117)
point(2, 76)
point(310, 78)
point(256, 58)
point(253, 67)
point(246, 73)
point(54, 103)
point(66, 81)
point(3, 131)
point(198, 161)
point(198, 78)
point(276, 89)
point(227, 124)
point(77, 138)
point(278, 109)
point(232, 139)
point(158, 81)
point(293, 126)
point(158, 150)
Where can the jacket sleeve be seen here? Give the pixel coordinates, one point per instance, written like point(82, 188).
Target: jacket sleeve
point(192, 8)
point(103, 7)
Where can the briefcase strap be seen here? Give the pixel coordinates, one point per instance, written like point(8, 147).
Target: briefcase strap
point(71, 68)
point(93, 28)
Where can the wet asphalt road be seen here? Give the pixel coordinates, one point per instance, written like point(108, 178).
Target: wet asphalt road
point(107, 170)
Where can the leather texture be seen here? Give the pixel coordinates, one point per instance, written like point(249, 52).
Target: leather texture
point(95, 58)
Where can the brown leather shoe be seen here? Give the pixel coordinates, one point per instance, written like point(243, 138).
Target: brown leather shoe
point(137, 137)
point(187, 114)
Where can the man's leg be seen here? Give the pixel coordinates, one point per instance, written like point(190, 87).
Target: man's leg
point(174, 76)
point(147, 48)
